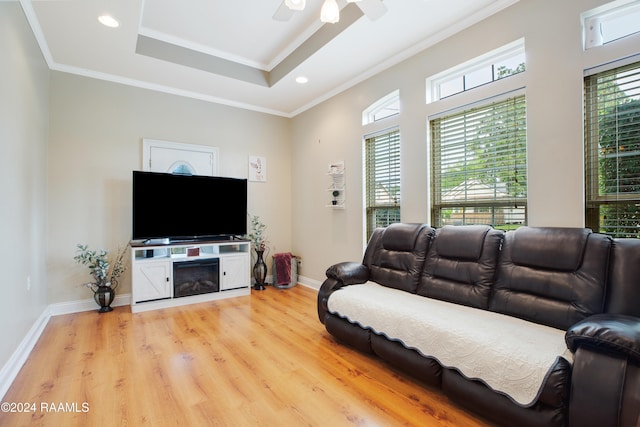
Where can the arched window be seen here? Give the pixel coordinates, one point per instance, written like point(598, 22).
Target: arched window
point(181, 168)
point(386, 106)
point(179, 158)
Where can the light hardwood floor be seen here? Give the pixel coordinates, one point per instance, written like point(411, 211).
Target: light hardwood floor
point(259, 360)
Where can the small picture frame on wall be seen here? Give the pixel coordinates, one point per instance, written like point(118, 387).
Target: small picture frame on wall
point(257, 169)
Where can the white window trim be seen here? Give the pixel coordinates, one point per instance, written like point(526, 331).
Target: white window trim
point(611, 65)
point(478, 103)
point(368, 115)
point(592, 19)
point(507, 51)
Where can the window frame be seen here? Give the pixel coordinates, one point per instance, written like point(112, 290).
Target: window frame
point(598, 85)
point(370, 114)
point(391, 136)
point(488, 60)
point(466, 204)
point(615, 14)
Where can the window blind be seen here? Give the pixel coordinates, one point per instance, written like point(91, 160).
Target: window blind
point(382, 158)
point(479, 165)
point(612, 151)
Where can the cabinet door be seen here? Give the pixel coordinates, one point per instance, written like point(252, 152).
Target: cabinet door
point(235, 272)
point(151, 280)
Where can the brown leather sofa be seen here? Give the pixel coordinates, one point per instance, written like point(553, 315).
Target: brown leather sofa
point(571, 279)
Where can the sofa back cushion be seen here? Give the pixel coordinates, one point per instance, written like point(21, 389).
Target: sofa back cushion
point(552, 276)
point(623, 292)
point(461, 264)
point(395, 255)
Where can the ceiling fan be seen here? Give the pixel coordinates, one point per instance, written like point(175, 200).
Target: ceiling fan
point(330, 12)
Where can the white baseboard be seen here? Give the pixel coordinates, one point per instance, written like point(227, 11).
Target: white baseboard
point(305, 281)
point(10, 370)
point(85, 305)
point(310, 283)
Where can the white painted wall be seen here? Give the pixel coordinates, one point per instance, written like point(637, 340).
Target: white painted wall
point(95, 142)
point(553, 84)
point(24, 122)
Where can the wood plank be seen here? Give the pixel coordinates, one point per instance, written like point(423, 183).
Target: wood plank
point(258, 360)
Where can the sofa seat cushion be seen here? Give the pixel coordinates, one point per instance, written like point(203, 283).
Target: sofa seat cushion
point(510, 355)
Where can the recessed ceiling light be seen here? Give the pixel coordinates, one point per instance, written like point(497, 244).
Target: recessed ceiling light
point(302, 79)
point(108, 21)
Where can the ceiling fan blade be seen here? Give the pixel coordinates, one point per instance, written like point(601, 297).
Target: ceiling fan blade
point(283, 13)
point(374, 9)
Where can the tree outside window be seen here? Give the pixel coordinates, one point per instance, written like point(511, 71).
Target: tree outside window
point(382, 159)
point(479, 166)
point(612, 132)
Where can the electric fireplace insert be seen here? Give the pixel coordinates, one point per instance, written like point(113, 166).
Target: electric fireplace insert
point(196, 277)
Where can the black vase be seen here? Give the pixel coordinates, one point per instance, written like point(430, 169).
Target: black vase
point(104, 296)
point(259, 271)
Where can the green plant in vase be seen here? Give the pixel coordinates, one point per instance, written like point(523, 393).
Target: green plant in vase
point(335, 194)
point(105, 272)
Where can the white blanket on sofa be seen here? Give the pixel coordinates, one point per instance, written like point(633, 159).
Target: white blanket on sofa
point(510, 355)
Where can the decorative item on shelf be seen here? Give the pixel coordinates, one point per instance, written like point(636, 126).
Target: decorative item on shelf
point(336, 187)
point(260, 245)
point(105, 273)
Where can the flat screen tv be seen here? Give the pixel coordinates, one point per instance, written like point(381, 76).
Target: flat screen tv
point(188, 207)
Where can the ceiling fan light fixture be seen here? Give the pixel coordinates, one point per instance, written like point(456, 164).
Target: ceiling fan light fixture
point(330, 12)
point(295, 4)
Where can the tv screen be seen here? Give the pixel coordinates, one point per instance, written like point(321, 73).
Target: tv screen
point(185, 207)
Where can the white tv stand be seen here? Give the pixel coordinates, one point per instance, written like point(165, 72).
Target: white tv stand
point(152, 272)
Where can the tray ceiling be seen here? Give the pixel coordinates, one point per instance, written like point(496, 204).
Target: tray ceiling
point(233, 52)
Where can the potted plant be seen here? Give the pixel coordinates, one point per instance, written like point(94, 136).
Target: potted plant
point(335, 194)
point(105, 273)
point(260, 244)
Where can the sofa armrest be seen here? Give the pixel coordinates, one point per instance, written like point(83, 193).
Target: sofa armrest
point(339, 275)
point(614, 334)
point(606, 371)
point(349, 273)
point(328, 286)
